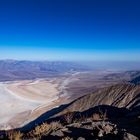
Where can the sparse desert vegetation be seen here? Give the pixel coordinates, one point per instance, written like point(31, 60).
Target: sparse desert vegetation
point(69, 117)
point(99, 116)
point(85, 130)
point(14, 135)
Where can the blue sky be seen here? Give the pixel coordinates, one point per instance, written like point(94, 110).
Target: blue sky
point(70, 30)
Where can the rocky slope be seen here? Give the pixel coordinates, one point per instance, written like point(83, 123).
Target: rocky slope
point(120, 95)
point(109, 113)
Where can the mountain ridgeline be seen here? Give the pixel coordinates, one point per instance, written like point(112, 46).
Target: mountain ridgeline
point(114, 111)
point(11, 70)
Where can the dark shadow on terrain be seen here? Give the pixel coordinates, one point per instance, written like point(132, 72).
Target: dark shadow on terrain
point(46, 116)
point(118, 116)
point(112, 112)
point(79, 132)
point(134, 99)
point(136, 80)
point(122, 117)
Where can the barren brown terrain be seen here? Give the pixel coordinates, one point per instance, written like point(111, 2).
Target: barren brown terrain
point(26, 100)
point(22, 98)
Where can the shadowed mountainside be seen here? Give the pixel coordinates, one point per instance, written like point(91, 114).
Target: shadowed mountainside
point(109, 113)
point(125, 98)
point(121, 96)
point(136, 80)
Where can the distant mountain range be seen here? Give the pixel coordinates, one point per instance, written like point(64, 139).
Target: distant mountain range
point(20, 70)
point(11, 70)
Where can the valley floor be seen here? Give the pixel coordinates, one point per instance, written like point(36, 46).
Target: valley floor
point(24, 101)
point(21, 98)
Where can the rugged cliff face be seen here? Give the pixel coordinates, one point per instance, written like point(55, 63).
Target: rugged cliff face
point(121, 96)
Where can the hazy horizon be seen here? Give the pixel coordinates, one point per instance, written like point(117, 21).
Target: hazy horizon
point(94, 65)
